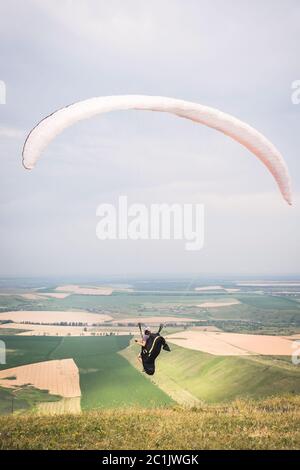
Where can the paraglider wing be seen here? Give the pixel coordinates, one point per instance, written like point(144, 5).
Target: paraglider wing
point(257, 143)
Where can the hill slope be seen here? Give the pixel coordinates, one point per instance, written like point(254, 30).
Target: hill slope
point(185, 373)
point(218, 379)
point(273, 423)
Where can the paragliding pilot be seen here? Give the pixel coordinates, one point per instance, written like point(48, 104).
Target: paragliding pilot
point(151, 345)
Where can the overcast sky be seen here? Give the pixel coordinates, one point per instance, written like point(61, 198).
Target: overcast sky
point(240, 56)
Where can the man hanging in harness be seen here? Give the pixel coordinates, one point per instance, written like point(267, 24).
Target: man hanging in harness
point(151, 345)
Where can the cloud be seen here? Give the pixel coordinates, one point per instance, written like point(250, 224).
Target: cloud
point(11, 133)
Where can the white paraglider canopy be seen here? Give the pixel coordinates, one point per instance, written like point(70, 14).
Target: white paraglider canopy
point(257, 143)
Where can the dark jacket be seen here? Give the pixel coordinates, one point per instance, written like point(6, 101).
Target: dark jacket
point(151, 350)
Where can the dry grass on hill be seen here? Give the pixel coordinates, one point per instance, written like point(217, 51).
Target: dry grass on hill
point(266, 424)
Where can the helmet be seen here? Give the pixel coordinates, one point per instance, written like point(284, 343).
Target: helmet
point(147, 330)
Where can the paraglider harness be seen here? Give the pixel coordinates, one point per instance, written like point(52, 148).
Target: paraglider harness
point(152, 349)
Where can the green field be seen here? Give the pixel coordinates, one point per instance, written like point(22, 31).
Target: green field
point(269, 301)
point(26, 398)
point(28, 349)
point(11, 302)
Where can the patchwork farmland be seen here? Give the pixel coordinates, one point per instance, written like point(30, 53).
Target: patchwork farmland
point(227, 341)
point(106, 379)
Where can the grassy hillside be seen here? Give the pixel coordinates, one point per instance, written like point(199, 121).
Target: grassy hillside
point(219, 378)
point(109, 377)
point(267, 424)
